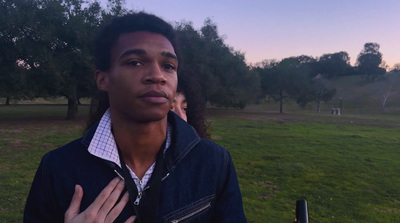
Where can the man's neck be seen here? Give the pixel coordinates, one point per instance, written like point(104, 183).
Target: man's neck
point(139, 143)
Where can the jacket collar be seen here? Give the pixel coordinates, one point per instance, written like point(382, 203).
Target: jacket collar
point(184, 138)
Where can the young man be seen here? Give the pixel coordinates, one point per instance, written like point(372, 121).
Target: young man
point(171, 174)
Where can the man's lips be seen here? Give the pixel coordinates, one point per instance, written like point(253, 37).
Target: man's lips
point(155, 97)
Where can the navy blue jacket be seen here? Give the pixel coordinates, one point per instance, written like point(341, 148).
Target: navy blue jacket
point(202, 185)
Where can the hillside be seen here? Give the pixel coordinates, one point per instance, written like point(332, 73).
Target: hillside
point(358, 96)
point(361, 96)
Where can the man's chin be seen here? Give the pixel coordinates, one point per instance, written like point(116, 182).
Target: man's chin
point(152, 117)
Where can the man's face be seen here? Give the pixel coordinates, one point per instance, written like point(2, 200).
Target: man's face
point(142, 80)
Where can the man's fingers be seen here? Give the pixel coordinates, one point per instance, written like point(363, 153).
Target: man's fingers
point(130, 220)
point(73, 209)
point(101, 207)
point(111, 200)
point(114, 213)
point(103, 196)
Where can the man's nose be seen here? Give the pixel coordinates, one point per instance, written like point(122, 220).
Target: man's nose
point(155, 74)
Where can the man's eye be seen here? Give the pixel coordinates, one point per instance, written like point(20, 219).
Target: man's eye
point(134, 63)
point(169, 66)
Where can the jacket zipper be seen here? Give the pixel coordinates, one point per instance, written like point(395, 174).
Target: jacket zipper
point(140, 193)
point(191, 214)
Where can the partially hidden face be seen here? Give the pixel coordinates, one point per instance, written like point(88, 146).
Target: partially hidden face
point(142, 80)
point(179, 105)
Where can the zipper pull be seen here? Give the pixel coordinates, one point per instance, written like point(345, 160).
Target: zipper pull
point(116, 171)
point(165, 177)
point(139, 196)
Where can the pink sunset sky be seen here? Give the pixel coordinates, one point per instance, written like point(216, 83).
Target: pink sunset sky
point(276, 29)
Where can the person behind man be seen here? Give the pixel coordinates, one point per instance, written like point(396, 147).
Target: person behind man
point(191, 102)
point(171, 174)
point(179, 105)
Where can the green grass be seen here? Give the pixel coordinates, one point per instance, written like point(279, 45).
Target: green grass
point(347, 167)
point(26, 134)
point(35, 112)
point(346, 173)
point(21, 152)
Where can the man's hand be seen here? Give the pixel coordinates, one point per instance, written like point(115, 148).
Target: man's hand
point(101, 210)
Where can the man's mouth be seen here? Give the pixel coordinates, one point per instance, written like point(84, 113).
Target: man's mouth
point(157, 97)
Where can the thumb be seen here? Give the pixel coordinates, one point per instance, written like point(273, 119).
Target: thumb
point(73, 209)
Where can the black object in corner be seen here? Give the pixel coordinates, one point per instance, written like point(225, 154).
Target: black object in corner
point(301, 211)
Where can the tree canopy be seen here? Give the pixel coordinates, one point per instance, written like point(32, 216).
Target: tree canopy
point(222, 73)
point(335, 64)
point(294, 78)
point(47, 48)
point(369, 60)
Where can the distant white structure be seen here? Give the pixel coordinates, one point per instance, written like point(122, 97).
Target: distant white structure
point(335, 111)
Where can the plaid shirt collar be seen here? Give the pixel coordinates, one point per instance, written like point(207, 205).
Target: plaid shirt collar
point(103, 143)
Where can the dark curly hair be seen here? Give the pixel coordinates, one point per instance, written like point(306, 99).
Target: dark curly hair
point(106, 40)
point(141, 21)
point(196, 106)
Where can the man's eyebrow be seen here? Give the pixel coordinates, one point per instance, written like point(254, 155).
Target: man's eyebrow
point(134, 51)
point(143, 52)
point(170, 55)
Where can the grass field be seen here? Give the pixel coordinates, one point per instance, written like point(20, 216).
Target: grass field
point(346, 172)
point(347, 167)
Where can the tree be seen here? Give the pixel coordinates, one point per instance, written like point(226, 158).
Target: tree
point(369, 60)
point(318, 91)
point(46, 47)
point(288, 79)
point(396, 68)
point(384, 65)
point(385, 88)
point(224, 77)
point(15, 17)
point(67, 31)
point(273, 84)
point(293, 78)
point(334, 65)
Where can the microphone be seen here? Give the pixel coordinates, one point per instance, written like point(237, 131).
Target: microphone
point(301, 211)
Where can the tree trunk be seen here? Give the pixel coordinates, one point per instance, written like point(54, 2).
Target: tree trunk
point(281, 105)
point(72, 97)
point(318, 104)
point(384, 102)
point(385, 96)
point(7, 100)
point(72, 109)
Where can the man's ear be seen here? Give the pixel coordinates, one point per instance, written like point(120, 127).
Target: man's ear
point(101, 79)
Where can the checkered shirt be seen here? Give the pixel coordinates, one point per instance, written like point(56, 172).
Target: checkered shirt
point(103, 146)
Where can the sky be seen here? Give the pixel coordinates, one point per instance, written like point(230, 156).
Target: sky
point(277, 29)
